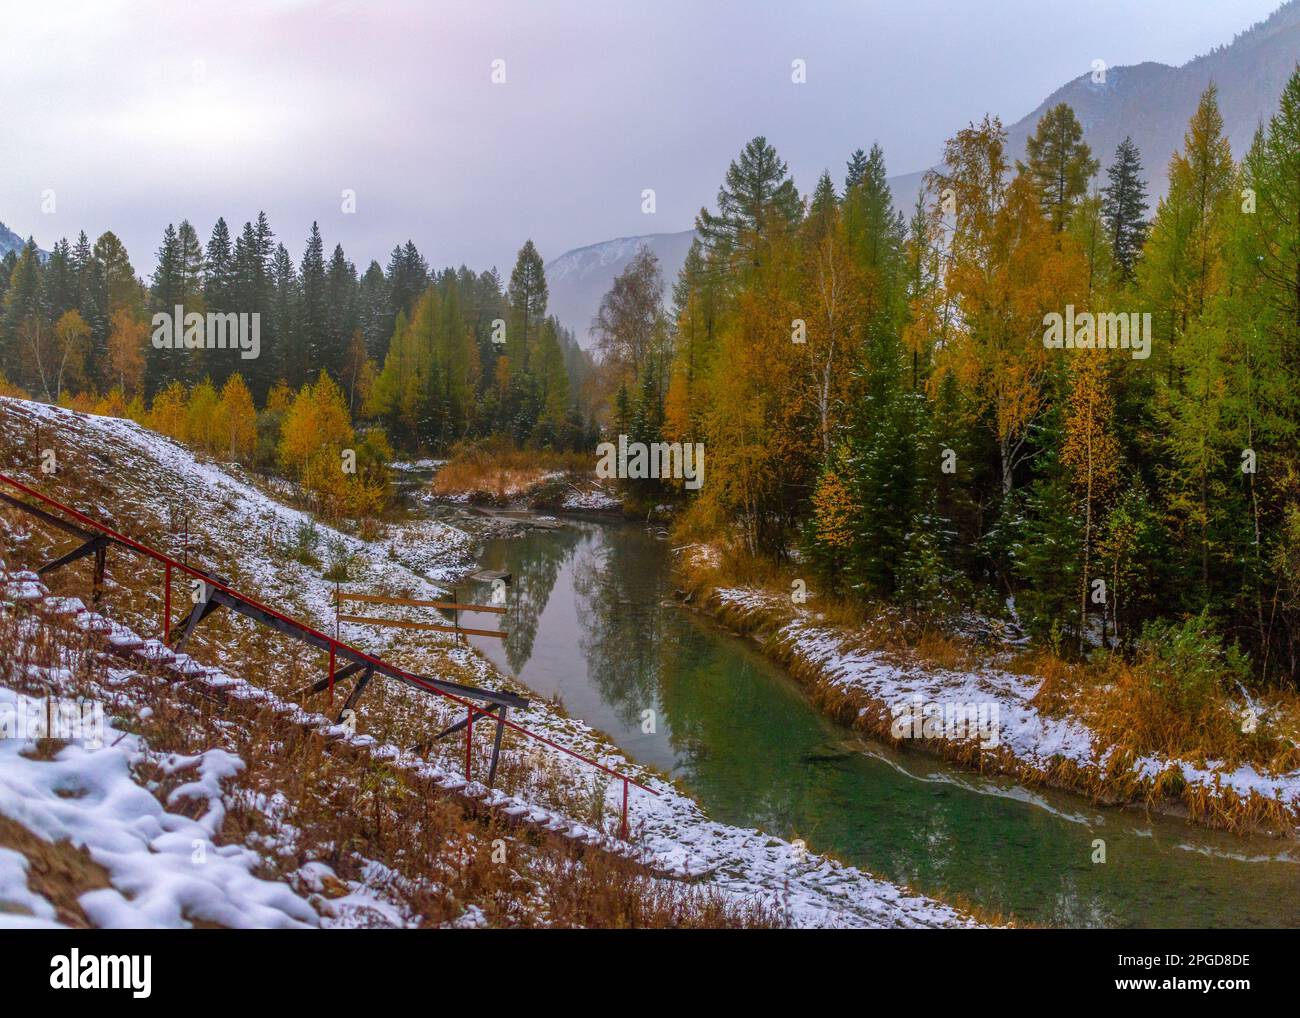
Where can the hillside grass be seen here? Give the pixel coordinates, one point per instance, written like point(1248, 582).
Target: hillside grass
point(360, 817)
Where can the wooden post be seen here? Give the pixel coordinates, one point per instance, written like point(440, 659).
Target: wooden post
point(469, 734)
point(167, 602)
point(496, 745)
point(623, 826)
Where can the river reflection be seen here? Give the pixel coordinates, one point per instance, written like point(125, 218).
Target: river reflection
point(591, 619)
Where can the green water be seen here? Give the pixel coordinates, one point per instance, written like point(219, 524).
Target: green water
point(592, 619)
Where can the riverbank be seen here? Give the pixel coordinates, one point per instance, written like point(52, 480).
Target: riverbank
point(279, 555)
point(502, 476)
point(892, 696)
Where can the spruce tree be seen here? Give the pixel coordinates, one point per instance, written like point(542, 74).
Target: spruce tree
point(857, 166)
point(312, 310)
point(1124, 207)
point(373, 316)
point(165, 366)
point(218, 269)
point(290, 361)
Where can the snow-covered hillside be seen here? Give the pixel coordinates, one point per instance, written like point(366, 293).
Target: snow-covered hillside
point(143, 476)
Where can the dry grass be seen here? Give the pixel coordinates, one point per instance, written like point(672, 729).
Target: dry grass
point(1126, 704)
point(300, 799)
point(331, 805)
point(58, 871)
point(498, 472)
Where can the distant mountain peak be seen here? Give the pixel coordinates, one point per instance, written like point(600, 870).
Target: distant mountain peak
point(578, 279)
point(10, 241)
point(1152, 102)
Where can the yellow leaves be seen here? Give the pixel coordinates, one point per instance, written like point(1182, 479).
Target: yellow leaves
point(235, 424)
point(7, 388)
point(316, 446)
point(678, 425)
point(1091, 451)
point(280, 398)
point(318, 418)
point(834, 511)
point(200, 427)
point(1008, 269)
point(168, 414)
point(127, 338)
point(223, 424)
point(112, 405)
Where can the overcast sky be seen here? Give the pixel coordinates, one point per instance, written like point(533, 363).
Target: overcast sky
point(140, 114)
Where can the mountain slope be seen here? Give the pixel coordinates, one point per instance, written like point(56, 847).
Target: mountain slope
point(578, 279)
point(10, 241)
point(1153, 102)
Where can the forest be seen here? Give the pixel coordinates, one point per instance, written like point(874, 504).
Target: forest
point(877, 389)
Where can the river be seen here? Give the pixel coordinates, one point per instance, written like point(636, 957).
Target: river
point(592, 620)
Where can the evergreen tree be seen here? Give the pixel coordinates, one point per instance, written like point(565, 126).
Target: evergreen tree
point(288, 351)
point(1124, 207)
point(218, 269)
point(528, 295)
point(756, 202)
point(340, 309)
point(373, 311)
point(59, 282)
point(857, 167)
point(313, 314)
point(408, 277)
point(166, 277)
point(1059, 163)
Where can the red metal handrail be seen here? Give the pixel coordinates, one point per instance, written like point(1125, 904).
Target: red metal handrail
point(333, 642)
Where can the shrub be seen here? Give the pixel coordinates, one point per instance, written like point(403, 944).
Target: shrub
point(1187, 664)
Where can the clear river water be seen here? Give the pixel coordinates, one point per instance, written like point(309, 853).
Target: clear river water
point(592, 619)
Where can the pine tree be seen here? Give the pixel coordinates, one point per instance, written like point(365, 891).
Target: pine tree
point(1124, 207)
point(528, 295)
point(1059, 163)
point(313, 313)
point(119, 277)
point(289, 355)
point(857, 167)
point(757, 202)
